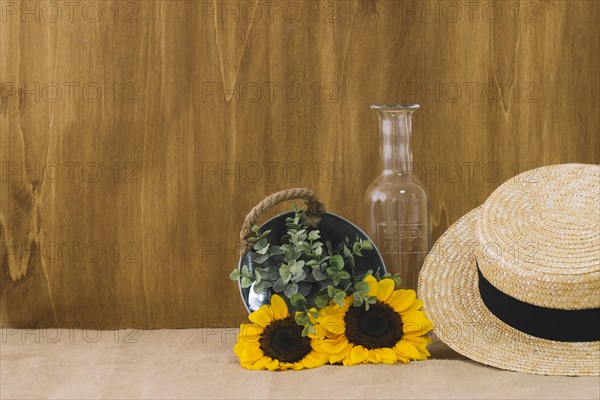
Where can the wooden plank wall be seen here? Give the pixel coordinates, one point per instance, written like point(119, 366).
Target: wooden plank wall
point(135, 136)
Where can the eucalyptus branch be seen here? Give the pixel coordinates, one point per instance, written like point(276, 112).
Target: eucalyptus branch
point(307, 272)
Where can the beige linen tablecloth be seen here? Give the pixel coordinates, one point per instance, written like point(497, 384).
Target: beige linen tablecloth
point(199, 363)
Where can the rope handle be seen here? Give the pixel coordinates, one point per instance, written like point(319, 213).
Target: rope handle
point(314, 211)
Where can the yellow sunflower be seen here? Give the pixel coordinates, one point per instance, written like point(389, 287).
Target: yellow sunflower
point(274, 341)
point(392, 329)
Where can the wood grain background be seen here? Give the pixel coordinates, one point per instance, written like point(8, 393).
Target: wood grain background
point(135, 136)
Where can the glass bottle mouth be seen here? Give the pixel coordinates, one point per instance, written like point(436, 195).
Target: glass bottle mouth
point(395, 107)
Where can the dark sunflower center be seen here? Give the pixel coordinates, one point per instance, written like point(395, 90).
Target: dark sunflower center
point(282, 340)
point(378, 327)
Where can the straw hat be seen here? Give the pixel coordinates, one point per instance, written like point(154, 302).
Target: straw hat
point(515, 283)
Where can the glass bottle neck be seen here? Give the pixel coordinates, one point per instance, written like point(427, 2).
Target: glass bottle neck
point(395, 130)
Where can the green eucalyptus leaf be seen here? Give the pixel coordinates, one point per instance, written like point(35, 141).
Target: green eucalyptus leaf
point(234, 275)
point(275, 250)
point(246, 271)
point(279, 285)
point(331, 291)
point(298, 300)
point(322, 300)
point(337, 261)
point(357, 299)
point(296, 267)
point(246, 282)
point(284, 272)
point(367, 245)
point(347, 252)
point(339, 298)
point(299, 278)
point(362, 287)
point(318, 275)
point(306, 331)
point(260, 244)
point(344, 275)
point(261, 258)
point(336, 279)
point(301, 319)
point(290, 289)
point(263, 250)
point(258, 275)
point(258, 287)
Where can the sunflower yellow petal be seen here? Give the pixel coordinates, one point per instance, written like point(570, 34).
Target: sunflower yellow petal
point(336, 358)
point(247, 353)
point(282, 366)
point(386, 355)
point(333, 324)
point(416, 323)
point(385, 287)
point(330, 346)
point(417, 340)
point(423, 350)
point(402, 300)
point(407, 350)
point(314, 359)
point(357, 355)
point(249, 332)
point(299, 365)
point(256, 365)
point(402, 359)
point(374, 357)
point(327, 310)
point(273, 365)
point(372, 282)
point(262, 317)
point(278, 307)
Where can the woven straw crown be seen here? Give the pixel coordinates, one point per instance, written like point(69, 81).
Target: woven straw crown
point(539, 236)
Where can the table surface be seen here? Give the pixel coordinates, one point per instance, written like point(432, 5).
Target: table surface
point(199, 363)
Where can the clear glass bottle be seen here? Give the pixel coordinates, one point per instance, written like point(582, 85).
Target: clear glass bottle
point(396, 202)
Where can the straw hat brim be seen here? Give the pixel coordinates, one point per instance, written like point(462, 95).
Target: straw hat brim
point(448, 286)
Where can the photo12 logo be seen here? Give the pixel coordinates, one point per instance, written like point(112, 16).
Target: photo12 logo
point(270, 171)
point(53, 12)
point(69, 333)
point(469, 11)
point(470, 92)
point(70, 92)
point(290, 11)
point(271, 92)
point(70, 172)
point(75, 252)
